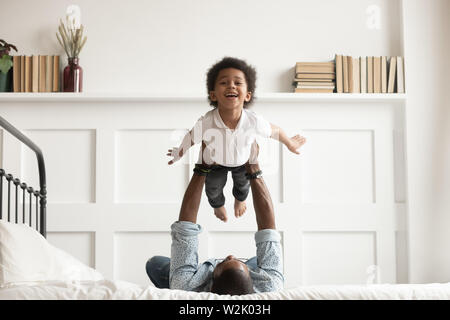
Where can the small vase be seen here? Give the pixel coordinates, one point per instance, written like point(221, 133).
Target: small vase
point(73, 76)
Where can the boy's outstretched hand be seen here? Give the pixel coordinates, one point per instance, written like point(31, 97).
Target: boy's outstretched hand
point(176, 153)
point(296, 142)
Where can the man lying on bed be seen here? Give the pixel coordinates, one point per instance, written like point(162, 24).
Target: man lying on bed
point(231, 276)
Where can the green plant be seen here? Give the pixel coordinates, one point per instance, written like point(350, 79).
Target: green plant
point(71, 39)
point(5, 59)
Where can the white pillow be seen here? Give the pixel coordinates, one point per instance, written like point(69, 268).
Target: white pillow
point(25, 255)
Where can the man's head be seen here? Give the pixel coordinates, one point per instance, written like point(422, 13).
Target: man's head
point(231, 76)
point(231, 276)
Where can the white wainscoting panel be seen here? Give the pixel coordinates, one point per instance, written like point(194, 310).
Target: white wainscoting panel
point(70, 164)
point(133, 249)
point(338, 257)
point(338, 167)
point(399, 166)
point(81, 245)
point(340, 205)
point(141, 168)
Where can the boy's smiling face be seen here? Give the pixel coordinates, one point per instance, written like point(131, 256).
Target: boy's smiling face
point(230, 90)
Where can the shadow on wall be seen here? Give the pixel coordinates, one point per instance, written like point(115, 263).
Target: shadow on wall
point(285, 80)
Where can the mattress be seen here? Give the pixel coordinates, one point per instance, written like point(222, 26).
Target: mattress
point(122, 290)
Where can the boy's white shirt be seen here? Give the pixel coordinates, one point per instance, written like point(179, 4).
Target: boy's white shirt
point(225, 146)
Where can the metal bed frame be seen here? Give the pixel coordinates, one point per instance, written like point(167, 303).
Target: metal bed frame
point(40, 196)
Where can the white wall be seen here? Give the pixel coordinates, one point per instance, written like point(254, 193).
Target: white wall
point(427, 45)
point(166, 46)
point(162, 47)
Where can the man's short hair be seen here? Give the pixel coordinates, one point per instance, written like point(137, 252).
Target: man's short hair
point(232, 281)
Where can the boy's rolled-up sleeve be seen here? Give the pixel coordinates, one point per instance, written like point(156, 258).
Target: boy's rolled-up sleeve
point(184, 254)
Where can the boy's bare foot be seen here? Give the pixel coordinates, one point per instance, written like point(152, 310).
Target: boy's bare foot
point(239, 208)
point(221, 213)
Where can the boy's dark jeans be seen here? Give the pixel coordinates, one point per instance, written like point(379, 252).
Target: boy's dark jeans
point(216, 180)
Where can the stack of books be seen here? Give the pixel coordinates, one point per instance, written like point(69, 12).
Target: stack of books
point(36, 73)
point(315, 77)
point(372, 74)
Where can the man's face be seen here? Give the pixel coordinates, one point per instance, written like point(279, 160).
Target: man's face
point(230, 262)
point(230, 90)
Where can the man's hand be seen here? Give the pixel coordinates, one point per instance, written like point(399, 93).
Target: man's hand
point(295, 143)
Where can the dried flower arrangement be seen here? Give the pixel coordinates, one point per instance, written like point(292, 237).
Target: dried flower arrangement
point(71, 38)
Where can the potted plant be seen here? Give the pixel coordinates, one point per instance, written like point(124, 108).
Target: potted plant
point(5, 66)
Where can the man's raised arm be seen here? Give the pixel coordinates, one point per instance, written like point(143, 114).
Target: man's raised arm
point(184, 249)
point(268, 246)
point(191, 199)
point(193, 194)
point(262, 202)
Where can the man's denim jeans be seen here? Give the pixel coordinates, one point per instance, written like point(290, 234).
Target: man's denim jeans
point(158, 268)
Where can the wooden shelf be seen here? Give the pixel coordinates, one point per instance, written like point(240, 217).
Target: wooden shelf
point(143, 97)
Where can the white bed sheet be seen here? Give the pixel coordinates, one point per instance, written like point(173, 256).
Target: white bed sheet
point(122, 290)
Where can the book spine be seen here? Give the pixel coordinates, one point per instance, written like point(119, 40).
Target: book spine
point(392, 69)
point(376, 75)
point(315, 70)
point(315, 87)
point(369, 74)
point(48, 73)
point(330, 76)
point(306, 90)
point(363, 74)
point(55, 74)
point(42, 69)
point(313, 80)
point(35, 74)
point(350, 74)
point(16, 74)
point(312, 83)
point(345, 72)
point(339, 75)
point(383, 74)
point(356, 75)
point(400, 76)
point(22, 73)
point(28, 74)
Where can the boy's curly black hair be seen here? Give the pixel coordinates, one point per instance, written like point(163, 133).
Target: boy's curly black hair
point(230, 62)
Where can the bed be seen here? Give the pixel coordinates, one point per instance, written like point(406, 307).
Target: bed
point(32, 269)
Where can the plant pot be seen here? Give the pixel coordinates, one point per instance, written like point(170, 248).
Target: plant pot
point(6, 81)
